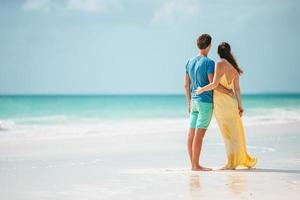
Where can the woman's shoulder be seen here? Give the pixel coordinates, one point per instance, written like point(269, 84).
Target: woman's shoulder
point(232, 69)
point(220, 67)
point(221, 63)
point(224, 65)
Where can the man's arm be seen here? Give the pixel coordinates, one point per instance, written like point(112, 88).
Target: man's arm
point(220, 87)
point(187, 90)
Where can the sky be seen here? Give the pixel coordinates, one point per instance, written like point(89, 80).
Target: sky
point(142, 46)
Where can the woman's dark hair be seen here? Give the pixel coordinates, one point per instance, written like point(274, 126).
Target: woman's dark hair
point(203, 41)
point(224, 52)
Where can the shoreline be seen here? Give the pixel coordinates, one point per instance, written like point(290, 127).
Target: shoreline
point(150, 165)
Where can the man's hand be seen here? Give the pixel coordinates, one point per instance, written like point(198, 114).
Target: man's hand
point(230, 93)
point(189, 108)
point(199, 90)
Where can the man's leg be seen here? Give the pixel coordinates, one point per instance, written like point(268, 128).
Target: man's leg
point(197, 146)
point(193, 122)
point(203, 120)
point(190, 143)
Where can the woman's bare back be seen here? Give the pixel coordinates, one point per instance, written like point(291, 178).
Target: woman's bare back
point(229, 71)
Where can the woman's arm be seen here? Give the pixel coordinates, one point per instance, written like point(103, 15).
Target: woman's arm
point(237, 91)
point(187, 90)
point(219, 72)
point(220, 87)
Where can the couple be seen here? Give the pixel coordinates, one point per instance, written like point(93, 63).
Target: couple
point(202, 76)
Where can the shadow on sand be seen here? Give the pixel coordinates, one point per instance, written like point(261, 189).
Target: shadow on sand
point(263, 170)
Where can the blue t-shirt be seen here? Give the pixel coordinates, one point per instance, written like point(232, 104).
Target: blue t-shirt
point(198, 69)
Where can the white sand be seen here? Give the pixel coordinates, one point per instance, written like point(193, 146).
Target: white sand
point(148, 166)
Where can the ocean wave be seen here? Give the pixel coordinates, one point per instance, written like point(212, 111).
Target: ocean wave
point(77, 128)
point(51, 119)
point(271, 116)
point(6, 125)
point(69, 126)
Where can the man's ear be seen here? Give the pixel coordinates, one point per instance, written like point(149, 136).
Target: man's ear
point(208, 47)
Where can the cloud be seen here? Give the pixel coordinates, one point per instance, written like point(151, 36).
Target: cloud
point(167, 12)
point(76, 5)
point(36, 4)
point(173, 10)
point(87, 5)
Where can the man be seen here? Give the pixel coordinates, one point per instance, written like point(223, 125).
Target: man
point(200, 72)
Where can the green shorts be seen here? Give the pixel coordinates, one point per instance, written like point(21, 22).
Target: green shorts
point(200, 115)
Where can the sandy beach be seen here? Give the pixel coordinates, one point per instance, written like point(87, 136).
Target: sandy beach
point(148, 165)
point(97, 97)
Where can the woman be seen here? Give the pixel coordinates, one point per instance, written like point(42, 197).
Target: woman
point(228, 113)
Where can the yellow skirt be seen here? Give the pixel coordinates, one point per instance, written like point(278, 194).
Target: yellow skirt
point(231, 125)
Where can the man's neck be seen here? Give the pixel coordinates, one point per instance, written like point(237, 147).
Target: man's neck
point(202, 53)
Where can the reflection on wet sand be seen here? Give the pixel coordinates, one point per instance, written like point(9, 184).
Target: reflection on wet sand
point(237, 183)
point(195, 187)
point(195, 182)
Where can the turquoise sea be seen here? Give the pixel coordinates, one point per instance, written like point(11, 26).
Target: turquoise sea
point(129, 106)
point(113, 147)
point(39, 115)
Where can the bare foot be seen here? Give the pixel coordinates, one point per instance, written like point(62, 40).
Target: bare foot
point(200, 168)
point(227, 168)
point(251, 168)
point(224, 168)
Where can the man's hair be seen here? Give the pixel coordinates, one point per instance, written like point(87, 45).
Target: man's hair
point(203, 41)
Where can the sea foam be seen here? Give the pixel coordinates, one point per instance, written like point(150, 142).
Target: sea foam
point(64, 126)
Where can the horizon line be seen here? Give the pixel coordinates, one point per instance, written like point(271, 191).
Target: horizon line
point(133, 94)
